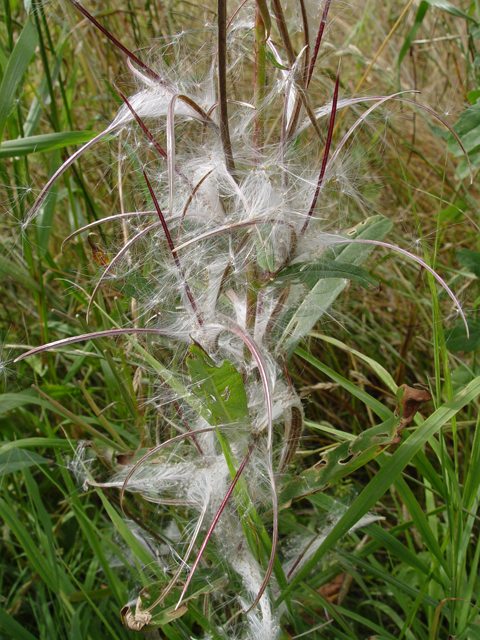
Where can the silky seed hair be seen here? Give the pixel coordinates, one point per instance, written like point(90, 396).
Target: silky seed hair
point(200, 252)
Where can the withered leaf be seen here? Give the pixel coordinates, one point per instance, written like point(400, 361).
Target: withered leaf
point(409, 400)
point(134, 622)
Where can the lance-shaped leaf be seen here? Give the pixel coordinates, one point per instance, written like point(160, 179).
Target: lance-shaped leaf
point(386, 476)
point(340, 461)
point(16, 67)
point(421, 12)
point(450, 8)
point(221, 387)
point(44, 142)
point(309, 273)
point(327, 290)
point(19, 459)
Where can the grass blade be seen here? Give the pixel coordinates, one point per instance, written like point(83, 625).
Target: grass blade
point(388, 474)
point(44, 142)
point(13, 628)
point(16, 67)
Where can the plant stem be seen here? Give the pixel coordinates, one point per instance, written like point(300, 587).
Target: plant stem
point(318, 41)
point(260, 80)
point(325, 154)
point(186, 286)
point(215, 520)
point(222, 86)
point(282, 28)
point(252, 297)
point(118, 44)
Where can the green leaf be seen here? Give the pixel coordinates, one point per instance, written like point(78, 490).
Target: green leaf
point(326, 291)
point(470, 260)
point(339, 462)
point(16, 67)
point(265, 253)
point(92, 594)
point(473, 96)
point(252, 524)
point(380, 371)
point(57, 407)
point(11, 401)
point(380, 632)
point(462, 375)
point(450, 8)
point(19, 459)
point(463, 168)
point(309, 273)
point(467, 128)
point(12, 628)
point(135, 285)
point(45, 533)
point(3, 59)
point(42, 97)
point(133, 543)
point(30, 548)
point(222, 388)
point(35, 442)
point(454, 212)
point(77, 634)
point(395, 547)
point(457, 338)
point(122, 382)
point(174, 383)
point(277, 65)
point(15, 271)
point(362, 395)
point(422, 10)
point(472, 631)
point(472, 477)
point(44, 142)
point(421, 522)
point(47, 211)
point(97, 540)
point(205, 622)
point(378, 572)
point(387, 476)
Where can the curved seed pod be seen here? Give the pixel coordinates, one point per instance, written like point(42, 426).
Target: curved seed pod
point(109, 333)
point(292, 434)
point(421, 262)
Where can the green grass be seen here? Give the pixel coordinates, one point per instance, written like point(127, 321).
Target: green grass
point(70, 558)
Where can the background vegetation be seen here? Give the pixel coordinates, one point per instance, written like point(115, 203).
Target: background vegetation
point(68, 560)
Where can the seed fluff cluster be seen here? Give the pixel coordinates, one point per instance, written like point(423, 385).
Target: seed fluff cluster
point(232, 253)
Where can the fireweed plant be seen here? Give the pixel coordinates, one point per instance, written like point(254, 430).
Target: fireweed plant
point(231, 258)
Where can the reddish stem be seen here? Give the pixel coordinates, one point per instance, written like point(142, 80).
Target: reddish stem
point(187, 426)
point(325, 154)
point(215, 520)
point(302, 555)
point(142, 125)
point(149, 135)
point(118, 44)
point(155, 450)
point(222, 86)
point(319, 40)
point(188, 291)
